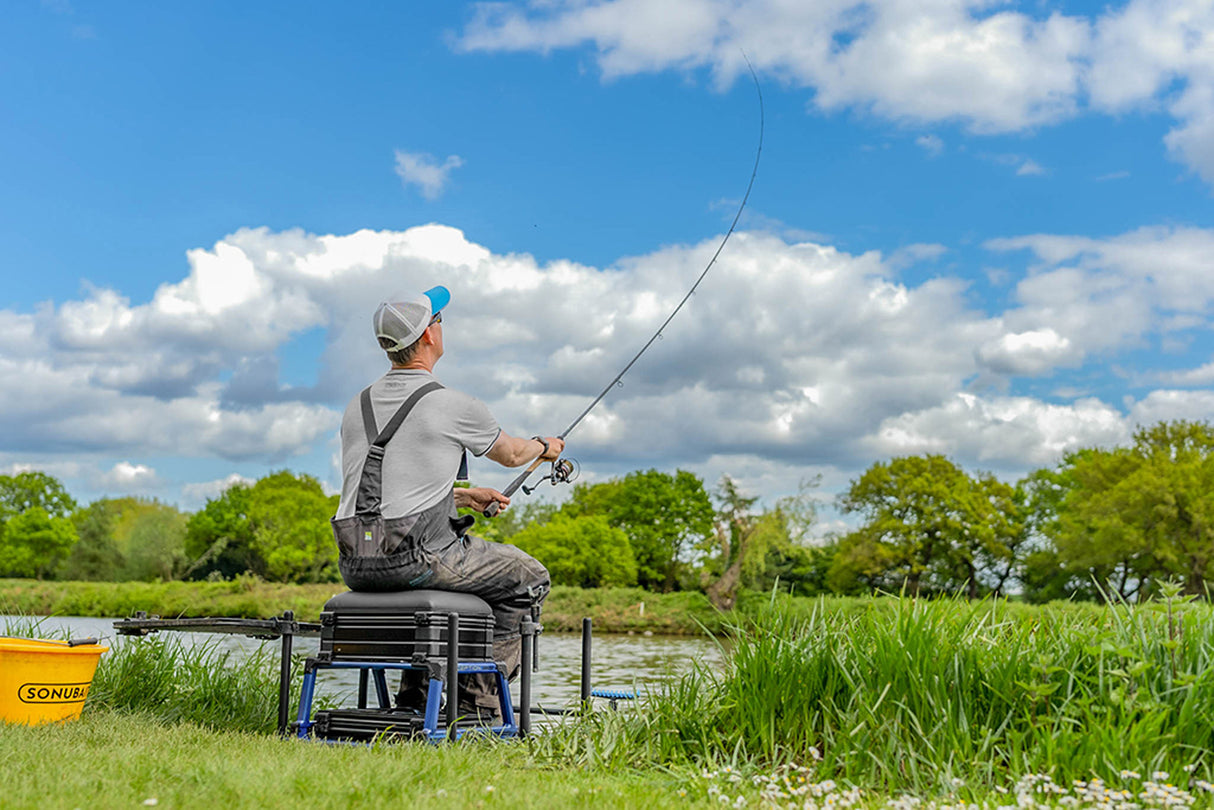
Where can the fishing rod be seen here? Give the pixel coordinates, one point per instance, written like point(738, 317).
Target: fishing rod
point(565, 470)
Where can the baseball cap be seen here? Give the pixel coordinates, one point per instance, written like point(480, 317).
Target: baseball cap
point(404, 321)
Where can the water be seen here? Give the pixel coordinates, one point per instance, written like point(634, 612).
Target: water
point(635, 662)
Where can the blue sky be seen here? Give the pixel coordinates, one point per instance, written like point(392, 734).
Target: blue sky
point(980, 229)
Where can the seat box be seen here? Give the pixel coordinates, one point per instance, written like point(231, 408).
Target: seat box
point(404, 626)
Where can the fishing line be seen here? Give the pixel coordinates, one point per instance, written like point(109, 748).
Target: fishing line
point(560, 468)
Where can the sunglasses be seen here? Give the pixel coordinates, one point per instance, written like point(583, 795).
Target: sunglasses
point(438, 318)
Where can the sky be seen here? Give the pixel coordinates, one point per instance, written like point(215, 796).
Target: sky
point(983, 229)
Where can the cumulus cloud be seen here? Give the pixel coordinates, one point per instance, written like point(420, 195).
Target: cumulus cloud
point(999, 67)
point(1001, 431)
point(202, 491)
point(1026, 353)
point(795, 353)
point(1203, 375)
point(425, 172)
point(1030, 168)
point(932, 144)
point(125, 477)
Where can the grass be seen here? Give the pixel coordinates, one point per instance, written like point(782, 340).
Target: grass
point(113, 760)
point(917, 697)
point(836, 702)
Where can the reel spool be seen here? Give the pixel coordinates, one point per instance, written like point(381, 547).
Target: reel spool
point(564, 471)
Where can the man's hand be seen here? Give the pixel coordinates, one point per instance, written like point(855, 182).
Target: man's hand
point(479, 498)
point(556, 446)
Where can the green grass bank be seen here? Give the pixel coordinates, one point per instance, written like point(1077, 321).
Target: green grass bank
point(613, 610)
point(897, 703)
point(112, 760)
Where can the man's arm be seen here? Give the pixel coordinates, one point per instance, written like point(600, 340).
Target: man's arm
point(479, 498)
point(511, 451)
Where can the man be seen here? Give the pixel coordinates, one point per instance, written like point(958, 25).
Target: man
point(397, 525)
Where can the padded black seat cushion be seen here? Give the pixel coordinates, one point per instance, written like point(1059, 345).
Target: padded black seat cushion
point(384, 602)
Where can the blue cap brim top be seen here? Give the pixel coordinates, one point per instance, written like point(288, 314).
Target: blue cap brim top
point(439, 297)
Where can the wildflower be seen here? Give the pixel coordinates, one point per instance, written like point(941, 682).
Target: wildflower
point(1130, 775)
point(739, 802)
point(1190, 768)
point(489, 788)
point(151, 801)
point(1159, 776)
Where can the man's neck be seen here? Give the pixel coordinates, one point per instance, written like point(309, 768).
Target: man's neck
point(414, 365)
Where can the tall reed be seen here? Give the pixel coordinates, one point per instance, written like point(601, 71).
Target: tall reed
point(176, 681)
point(915, 694)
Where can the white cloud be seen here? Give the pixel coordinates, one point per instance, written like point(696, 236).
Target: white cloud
point(996, 67)
point(1203, 375)
point(932, 144)
point(1170, 404)
point(202, 491)
point(1001, 431)
point(125, 477)
point(1030, 168)
point(796, 353)
point(1029, 353)
point(425, 172)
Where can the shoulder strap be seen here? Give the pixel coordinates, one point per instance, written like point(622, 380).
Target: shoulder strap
point(389, 430)
point(368, 416)
point(371, 484)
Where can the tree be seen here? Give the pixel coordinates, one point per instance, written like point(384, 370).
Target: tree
point(219, 537)
point(33, 543)
point(511, 521)
point(35, 532)
point(666, 517)
point(153, 539)
point(29, 490)
point(757, 549)
point(95, 555)
point(929, 527)
point(1133, 516)
point(289, 516)
point(585, 551)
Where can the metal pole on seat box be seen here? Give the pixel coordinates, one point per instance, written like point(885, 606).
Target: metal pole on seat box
point(452, 672)
point(585, 660)
point(284, 671)
point(524, 684)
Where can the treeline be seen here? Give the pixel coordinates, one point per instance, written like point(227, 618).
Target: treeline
point(1101, 524)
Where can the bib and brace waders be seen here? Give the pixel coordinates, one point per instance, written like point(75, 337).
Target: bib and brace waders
point(431, 549)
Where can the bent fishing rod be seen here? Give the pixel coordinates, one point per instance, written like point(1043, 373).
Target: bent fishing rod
point(565, 470)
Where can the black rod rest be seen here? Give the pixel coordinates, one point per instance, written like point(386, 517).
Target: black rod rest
point(279, 627)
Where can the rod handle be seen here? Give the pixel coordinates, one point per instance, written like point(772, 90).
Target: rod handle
point(513, 487)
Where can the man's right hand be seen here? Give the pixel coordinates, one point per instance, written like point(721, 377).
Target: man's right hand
point(556, 446)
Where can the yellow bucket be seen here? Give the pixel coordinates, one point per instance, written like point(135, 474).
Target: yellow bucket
point(45, 681)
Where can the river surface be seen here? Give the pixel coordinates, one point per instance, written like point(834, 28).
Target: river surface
point(619, 662)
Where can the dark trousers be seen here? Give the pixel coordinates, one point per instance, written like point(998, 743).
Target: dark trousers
point(510, 580)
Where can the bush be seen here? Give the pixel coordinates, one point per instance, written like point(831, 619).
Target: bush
point(587, 552)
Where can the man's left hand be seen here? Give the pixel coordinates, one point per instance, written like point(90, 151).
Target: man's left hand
point(479, 498)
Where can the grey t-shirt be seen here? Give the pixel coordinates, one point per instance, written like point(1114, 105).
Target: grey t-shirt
point(422, 459)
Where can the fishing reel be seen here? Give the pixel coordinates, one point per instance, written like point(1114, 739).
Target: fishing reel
point(564, 470)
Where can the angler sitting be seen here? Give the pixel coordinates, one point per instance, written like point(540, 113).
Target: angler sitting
point(404, 443)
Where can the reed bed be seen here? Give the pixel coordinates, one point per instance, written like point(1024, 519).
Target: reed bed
point(931, 698)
